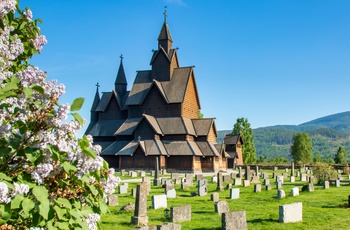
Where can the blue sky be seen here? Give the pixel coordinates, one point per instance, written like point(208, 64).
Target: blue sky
point(272, 62)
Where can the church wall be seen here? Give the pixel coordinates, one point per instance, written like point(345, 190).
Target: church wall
point(190, 106)
point(113, 161)
point(212, 135)
point(179, 162)
point(137, 161)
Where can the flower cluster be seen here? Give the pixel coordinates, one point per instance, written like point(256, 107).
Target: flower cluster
point(43, 163)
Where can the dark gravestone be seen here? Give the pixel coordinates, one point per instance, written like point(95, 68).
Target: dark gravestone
point(156, 180)
point(220, 184)
point(247, 172)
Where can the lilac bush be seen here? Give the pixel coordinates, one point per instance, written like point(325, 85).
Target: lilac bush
point(49, 179)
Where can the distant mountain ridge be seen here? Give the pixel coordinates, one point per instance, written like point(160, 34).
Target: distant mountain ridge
point(327, 133)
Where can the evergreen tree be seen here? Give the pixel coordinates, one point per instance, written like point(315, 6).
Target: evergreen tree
point(339, 158)
point(301, 149)
point(243, 128)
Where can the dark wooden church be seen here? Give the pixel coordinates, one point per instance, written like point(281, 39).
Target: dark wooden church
point(158, 117)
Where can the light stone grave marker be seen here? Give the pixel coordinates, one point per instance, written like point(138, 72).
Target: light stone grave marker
point(290, 213)
point(326, 184)
point(294, 191)
point(159, 201)
point(281, 194)
point(123, 189)
point(257, 188)
point(246, 183)
point(171, 193)
point(220, 183)
point(215, 196)
point(140, 214)
point(180, 213)
point(202, 187)
point(112, 200)
point(221, 207)
point(234, 193)
point(234, 220)
point(237, 181)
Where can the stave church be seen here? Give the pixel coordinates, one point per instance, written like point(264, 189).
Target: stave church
point(158, 117)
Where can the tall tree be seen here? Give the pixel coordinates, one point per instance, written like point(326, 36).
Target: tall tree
point(243, 128)
point(339, 157)
point(301, 149)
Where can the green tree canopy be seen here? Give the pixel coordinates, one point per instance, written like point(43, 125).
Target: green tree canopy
point(301, 149)
point(243, 128)
point(339, 157)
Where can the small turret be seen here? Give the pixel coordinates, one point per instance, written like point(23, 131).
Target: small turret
point(120, 83)
point(94, 114)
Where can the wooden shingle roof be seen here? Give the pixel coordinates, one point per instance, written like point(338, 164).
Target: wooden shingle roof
point(104, 127)
point(140, 88)
point(181, 148)
point(202, 126)
point(232, 139)
point(114, 148)
point(128, 127)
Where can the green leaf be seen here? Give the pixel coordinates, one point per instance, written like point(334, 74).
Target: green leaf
point(5, 211)
point(16, 202)
point(93, 190)
point(62, 225)
point(67, 166)
point(44, 208)
point(28, 92)
point(32, 155)
point(103, 207)
point(64, 202)
point(3, 176)
point(38, 88)
point(40, 192)
point(89, 152)
point(78, 118)
point(77, 104)
point(27, 205)
point(60, 212)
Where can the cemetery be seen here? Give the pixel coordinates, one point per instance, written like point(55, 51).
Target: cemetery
point(212, 201)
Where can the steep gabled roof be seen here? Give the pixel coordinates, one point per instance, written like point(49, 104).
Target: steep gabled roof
point(207, 148)
point(175, 89)
point(154, 124)
point(96, 100)
point(104, 128)
point(202, 126)
point(233, 139)
point(129, 126)
point(152, 147)
point(121, 78)
point(164, 33)
point(180, 148)
point(114, 148)
point(104, 102)
point(140, 88)
point(175, 125)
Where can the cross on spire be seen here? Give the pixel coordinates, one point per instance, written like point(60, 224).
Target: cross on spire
point(121, 57)
point(97, 85)
point(165, 15)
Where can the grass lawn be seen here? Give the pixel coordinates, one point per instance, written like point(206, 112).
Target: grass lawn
point(322, 209)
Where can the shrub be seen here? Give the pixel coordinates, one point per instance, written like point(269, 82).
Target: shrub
point(48, 178)
point(323, 172)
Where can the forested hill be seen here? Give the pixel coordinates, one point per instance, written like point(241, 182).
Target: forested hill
point(327, 134)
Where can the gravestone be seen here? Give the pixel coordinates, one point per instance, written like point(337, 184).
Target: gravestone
point(240, 173)
point(159, 201)
point(112, 200)
point(237, 181)
point(133, 174)
point(180, 213)
point(311, 179)
point(214, 179)
point(122, 172)
point(202, 187)
point(142, 173)
point(178, 181)
point(198, 177)
point(220, 184)
point(168, 185)
point(285, 175)
point(297, 174)
point(123, 189)
point(294, 191)
point(257, 188)
point(226, 178)
point(234, 220)
point(266, 181)
point(140, 215)
point(337, 183)
point(189, 179)
point(290, 213)
point(153, 173)
point(246, 183)
point(292, 179)
point(265, 175)
point(133, 192)
point(255, 179)
point(286, 169)
point(278, 185)
point(281, 194)
point(280, 179)
point(303, 177)
point(256, 170)
point(228, 186)
point(234, 193)
point(147, 180)
point(168, 226)
point(171, 193)
point(221, 207)
point(292, 169)
point(275, 168)
point(268, 187)
point(310, 187)
point(174, 176)
point(156, 180)
point(215, 196)
point(233, 175)
point(247, 172)
point(326, 184)
point(184, 186)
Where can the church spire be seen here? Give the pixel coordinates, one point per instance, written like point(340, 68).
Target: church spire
point(94, 114)
point(164, 38)
point(120, 82)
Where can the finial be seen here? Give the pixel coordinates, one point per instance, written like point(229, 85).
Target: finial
point(121, 57)
point(165, 15)
point(177, 48)
point(97, 85)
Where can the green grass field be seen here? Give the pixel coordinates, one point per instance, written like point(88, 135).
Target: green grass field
point(322, 209)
